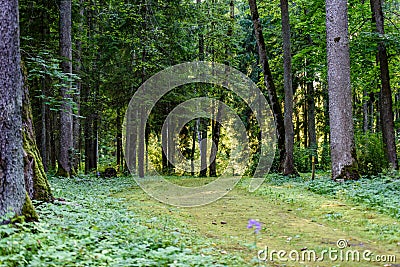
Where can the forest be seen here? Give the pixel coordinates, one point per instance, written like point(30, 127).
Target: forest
point(199, 133)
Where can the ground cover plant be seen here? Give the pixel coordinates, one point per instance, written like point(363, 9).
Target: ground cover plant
point(112, 222)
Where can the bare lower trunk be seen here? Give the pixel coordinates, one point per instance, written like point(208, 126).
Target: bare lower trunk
point(269, 83)
point(365, 111)
point(65, 158)
point(387, 117)
point(119, 139)
point(343, 153)
point(288, 166)
point(312, 133)
point(216, 132)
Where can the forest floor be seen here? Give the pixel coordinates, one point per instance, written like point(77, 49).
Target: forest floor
point(113, 222)
point(293, 220)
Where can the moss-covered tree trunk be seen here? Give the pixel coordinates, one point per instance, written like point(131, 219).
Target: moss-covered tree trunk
point(13, 198)
point(36, 183)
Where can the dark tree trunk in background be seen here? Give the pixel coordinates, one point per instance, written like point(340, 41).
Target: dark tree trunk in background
point(312, 134)
point(43, 135)
point(13, 197)
point(120, 157)
point(365, 111)
point(216, 126)
point(36, 183)
point(142, 125)
point(202, 122)
point(202, 139)
point(386, 108)
point(77, 97)
point(288, 166)
point(305, 119)
point(193, 147)
point(269, 83)
point(216, 132)
point(343, 152)
point(65, 159)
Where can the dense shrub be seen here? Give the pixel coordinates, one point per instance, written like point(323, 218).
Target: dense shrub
point(370, 154)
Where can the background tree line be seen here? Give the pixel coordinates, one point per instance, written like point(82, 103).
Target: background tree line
point(333, 86)
point(116, 45)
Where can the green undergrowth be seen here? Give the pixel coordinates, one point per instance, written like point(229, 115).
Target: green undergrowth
point(381, 193)
point(87, 227)
point(112, 222)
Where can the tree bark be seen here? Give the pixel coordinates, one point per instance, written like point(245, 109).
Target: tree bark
point(36, 183)
point(288, 166)
point(343, 153)
point(365, 111)
point(119, 139)
point(269, 83)
point(216, 132)
point(386, 108)
point(65, 166)
point(312, 134)
point(77, 97)
point(13, 197)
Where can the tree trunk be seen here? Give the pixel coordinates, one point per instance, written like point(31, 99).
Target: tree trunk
point(269, 83)
point(386, 110)
point(365, 111)
point(65, 166)
point(312, 134)
point(193, 148)
point(343, 152)
point(36, 183)
point(13, 197)
point(216, 132)
point(77, 97)
point(43, 133)
point(119, 139)
point(288, 166)
point(305, 119)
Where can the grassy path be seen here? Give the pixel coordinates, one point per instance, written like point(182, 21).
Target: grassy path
point(292, 219)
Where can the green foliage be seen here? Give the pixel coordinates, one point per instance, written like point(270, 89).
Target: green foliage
point(88, 227)
point(370, 154)
point(302, 158)
point(380, 193)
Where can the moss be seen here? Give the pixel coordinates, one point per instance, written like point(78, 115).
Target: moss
point(350, 172)
point(41, 188)
point(62, 172)
point(28, 210)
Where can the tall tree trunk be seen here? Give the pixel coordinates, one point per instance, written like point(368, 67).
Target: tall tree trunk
point(216, 132)
point(53, 139)
point(288, 166)
point(216, 126)
point(202, 122)
point(305, 118)
point(119, 139)
point(65, 166)
point(269, 83)
point(386, 110)
point(43, 131)
point(193, 148)
point(77, 97)
point(365, 111)
point(343, 152)
point(36, 183)
point(13, 197)
point(312, 133)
